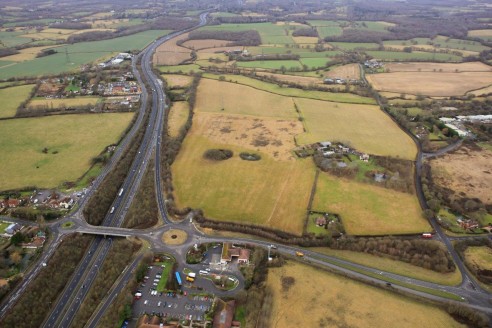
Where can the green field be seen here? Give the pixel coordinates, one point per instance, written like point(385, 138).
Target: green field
point(349, 46)
point(79, 54)
point(363, 127)
point(12, 39)
point(369, 210)
point(415, 55)
point(71, 142)
point(165, 274)
point(180, 68)
point(315, 62)
point(11, 99)
point(42, 103)
point(271, 64)
point(297, 93)
point(270, 33)
point(441, 42)
point(324, 31)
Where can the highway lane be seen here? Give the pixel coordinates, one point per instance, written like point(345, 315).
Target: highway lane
point(132, 182)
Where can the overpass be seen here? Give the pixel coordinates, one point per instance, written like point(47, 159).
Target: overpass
point(106, 232)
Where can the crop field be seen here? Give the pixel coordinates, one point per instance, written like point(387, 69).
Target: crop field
point(480, 257)
point(349, 71)
point(177, 80)
point(465, 171)
point(178, 114)
point(267, 192)
point(363, 127)
point(430, 83)
point(204, 44)
point(11, 99)
point(438, 67)
point(169, 53)
point(71, 141)
point(394, 266)
point(369, 210)
point(415, 55)
point(442, 42)
point(12, 39)
point(42, 103)
point(296, 93)
point(79, 54)
point(222, 97)
point(317, 298)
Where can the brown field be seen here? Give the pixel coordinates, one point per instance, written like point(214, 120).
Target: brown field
point(481, 92)
point(26, 54)
point(61, 103)
point(436, 67)
point(392, 95)
point(479, 33)
point(207, 55)
point(204, 44)
point(305, 39)
point(169, 53)
point(217, 49)
point(480, 257)
point(467, 171)
point(304, 80)
point(177, 80)
point(428, 47)
point(430, 83)
point(349, 71)
point(363, 127)
point(178, 114)
point(271, 136)
point(267, 192)
point(225, 97)
point(317, 298)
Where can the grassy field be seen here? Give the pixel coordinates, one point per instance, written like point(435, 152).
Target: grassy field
point(177, 80)
point(271, 64)
point(481, 257)
point(26, 54)
point(314, 63)
point(482, 34)
point(363, 127)
point(180, 68)
point(265, 192)
point(397, 267)
point(178, 114)
point(71, 142)
point(219, 96)
point(270, 33)
point(296, 93)
point(441, 42)
point(349, 71)
point(349, 46)
point(367, 209)
point(170, 53)
point(415, 55)
point(40, 103)
point(324, 31)
point(12, 98)
point(317, 298)
point(79, 54)
point(436, 83)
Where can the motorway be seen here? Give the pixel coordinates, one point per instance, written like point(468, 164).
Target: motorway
point(68, 303)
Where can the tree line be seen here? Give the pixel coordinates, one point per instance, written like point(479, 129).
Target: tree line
point(36, 302)
point(240, 38)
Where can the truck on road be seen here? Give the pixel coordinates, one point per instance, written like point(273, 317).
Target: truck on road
point(300, 254)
